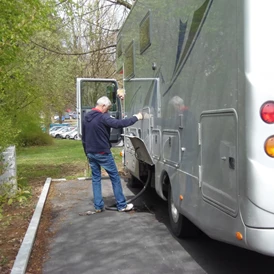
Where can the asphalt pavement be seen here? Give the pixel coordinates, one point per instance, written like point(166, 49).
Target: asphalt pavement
point(139, 241)
point(110, 242)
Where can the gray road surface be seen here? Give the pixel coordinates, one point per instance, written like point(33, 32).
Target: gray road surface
point(136, 242)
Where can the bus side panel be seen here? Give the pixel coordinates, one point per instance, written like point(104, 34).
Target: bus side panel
point(198, 52)
point(219, 175)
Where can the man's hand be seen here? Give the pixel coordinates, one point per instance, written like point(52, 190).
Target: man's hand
point(147, 116)
point(121, 96)
point(139, 116)
point(121, 93)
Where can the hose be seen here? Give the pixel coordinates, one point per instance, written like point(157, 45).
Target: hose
point(113, 207)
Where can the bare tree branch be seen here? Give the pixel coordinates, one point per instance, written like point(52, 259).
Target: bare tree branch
point(80, 53)
point(61, 2)
point(122, 3)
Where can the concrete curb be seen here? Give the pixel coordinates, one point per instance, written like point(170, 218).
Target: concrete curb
point(59, 180)
point(22, 258)
point(89, 178)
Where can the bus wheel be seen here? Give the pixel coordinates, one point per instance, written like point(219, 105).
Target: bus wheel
point(180, 225)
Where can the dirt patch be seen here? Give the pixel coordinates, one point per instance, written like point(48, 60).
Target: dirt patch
point(13, 227)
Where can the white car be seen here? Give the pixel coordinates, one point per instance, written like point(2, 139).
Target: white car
point(74, 135)
point(54, 128)
point(66, 134)
point(56, 133)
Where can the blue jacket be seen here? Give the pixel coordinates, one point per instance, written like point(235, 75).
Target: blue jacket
point(96, 130)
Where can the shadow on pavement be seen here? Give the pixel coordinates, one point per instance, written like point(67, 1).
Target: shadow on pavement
point(213, 256)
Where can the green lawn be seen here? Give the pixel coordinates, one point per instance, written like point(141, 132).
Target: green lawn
point(63, 159)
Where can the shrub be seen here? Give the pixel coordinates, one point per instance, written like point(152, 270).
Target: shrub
point(8, 195)
point(34, 138)
point(31, 133)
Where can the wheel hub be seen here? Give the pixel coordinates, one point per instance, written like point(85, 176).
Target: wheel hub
point(174, 213)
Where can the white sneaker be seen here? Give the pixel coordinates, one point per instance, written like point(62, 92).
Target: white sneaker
point(127, 208)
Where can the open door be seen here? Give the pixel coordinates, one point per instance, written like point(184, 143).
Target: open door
point(141, 152)
point(88, 91)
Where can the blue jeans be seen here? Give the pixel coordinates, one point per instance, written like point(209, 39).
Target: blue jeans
point(106, 161)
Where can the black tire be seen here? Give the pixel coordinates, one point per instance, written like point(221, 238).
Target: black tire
point(180, 225)
point(67, 136)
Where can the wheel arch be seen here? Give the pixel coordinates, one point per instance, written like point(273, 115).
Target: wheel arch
point(164, 182)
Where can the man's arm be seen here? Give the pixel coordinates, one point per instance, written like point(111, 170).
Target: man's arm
point(117, 123)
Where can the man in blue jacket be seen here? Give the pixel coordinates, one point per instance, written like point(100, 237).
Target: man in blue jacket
point(95, 139)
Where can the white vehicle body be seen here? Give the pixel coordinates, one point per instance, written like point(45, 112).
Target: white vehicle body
point(74, 135)
point(66, 134)
point(59, 131)
point(201, 72)
point(54, 128)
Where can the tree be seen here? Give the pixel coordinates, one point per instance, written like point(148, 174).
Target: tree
point(19, 21)
point(44, 46)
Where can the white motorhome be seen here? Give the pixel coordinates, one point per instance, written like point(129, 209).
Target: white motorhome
point(201, 72)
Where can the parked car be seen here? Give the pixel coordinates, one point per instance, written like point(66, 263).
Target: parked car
point(65, 134)
point(53, 131)
point(64, 130)
point(66, 116)
point(74, 135)
point(54, 128)
point(58, 131)
point(73, 115)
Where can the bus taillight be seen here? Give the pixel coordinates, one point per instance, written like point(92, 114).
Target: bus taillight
point(267, 112)
point(269, 146)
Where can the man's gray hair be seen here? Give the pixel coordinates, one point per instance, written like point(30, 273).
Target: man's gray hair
point(176, 101)
point(103, 101)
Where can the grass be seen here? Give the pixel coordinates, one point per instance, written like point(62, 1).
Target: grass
point(63, 159)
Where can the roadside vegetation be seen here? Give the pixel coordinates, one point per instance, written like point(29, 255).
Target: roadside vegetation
point(45, 45)
point(63, 159)
point(60, 159)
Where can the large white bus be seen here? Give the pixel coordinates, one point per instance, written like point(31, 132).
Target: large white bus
point(201, 72)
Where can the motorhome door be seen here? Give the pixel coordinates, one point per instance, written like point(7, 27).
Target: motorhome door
point(88, 91)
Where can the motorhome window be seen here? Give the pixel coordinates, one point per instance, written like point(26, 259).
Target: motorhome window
point(145, 31)
point(129, 61)
point(92, 91)
point(119, 47)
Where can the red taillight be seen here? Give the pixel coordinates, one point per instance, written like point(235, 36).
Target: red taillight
point(267, 112)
